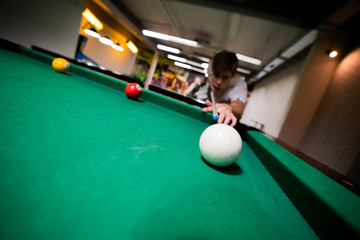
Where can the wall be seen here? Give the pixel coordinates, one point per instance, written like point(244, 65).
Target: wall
point(323, 116)
point(49, 24)
point(333, 136)
point(106, 56)
point(318, 71)
point(270, 99)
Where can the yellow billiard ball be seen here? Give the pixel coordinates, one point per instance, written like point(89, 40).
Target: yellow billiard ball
point(61, 65)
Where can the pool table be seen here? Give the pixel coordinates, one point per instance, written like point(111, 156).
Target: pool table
point(79, 160)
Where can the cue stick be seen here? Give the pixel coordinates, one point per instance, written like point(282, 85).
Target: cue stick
point(215, 113)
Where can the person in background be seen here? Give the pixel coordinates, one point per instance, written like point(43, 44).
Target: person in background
point(193, 87)
point(230, 89)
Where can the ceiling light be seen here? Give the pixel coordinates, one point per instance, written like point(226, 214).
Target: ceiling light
point(106, 41)
point(176, 58)
point(204, 59)
point(183, 65)
point(305, 41)
point(156, 35)
point(168, 49)
point(194, 63)
point(333, 53)
point(169, 38)
point(132, 47)
point(92, 32)
point(92, 19)
point(243, 70)
point(183, 41)
point(205, 65)
point(273, 64)
point(187, 66)
point(248, 59)
point(260, 74)
point(117, 47)
point(198, 70)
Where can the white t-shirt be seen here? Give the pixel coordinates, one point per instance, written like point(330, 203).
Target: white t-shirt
point(237, 90)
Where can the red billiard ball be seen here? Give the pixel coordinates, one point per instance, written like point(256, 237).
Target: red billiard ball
point(133, 90)
point(60, 65)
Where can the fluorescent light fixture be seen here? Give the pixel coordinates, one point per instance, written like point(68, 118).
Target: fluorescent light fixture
point(132, 47)
point(205, 65)
point(168, 49)
point(194, 63)
point(305, 41)
point(187, 66)
point(183, 65)
point(274, 64)
point(243, 70)
point(183, 41)
point(106, 41)
point(92, 32)
point(184, 60)
point(156, 35)
point(260, 74)
point(169, 38)
point(204, 59)
point(198, 70)
point(117, 47)
point(248, 59)
point(176, 58)
point(92, 19)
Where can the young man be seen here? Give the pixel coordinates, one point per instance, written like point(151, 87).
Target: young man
point(230, 90)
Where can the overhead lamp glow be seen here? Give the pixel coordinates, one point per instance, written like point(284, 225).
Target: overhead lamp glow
point(194, 63)
point(205, 65)
point(202, 66)
point(274, 64)
point(117, 47)
point(183, 65)
point(132, 47)
point(168, 49)
point(200, 70)
point(242, 70)
point(156, 35)
point(204, 59)
point(106, 41)
point(333, 54)
point(92, 19)
point(167, 37)
point(92, 32)
point(260, 74)
point(301, 44)
point(183, 41)
point(248, 59)
point(176, 58)
point(187, 66)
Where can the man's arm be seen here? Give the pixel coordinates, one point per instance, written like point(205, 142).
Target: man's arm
point(227, 112)
point(237, 108)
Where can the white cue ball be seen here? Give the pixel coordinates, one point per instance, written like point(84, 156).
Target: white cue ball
point(220, 145)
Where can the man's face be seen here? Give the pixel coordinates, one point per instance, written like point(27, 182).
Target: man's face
point(221, 82)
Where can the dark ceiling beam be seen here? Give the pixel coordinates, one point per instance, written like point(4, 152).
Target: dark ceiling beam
point(305, 14)
point(126, 11)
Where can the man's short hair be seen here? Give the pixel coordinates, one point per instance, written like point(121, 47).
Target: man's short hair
point(224, 61)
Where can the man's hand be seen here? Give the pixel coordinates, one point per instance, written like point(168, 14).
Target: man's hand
point(225, 112)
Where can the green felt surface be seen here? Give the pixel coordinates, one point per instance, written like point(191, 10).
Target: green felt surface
point(78, 160)
point(332, 210)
